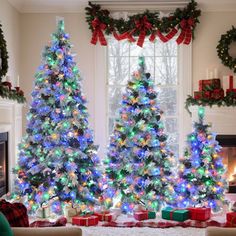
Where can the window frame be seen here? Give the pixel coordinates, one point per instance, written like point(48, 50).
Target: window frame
point(184, 74)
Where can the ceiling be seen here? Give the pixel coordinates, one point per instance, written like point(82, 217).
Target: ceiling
point(67, 6)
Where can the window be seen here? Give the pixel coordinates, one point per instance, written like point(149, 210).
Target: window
point(161, 61)
point(170, 67)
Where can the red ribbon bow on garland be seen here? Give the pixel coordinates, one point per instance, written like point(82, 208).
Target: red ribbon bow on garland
point(98, 27)
point(163, 38)
point(186, 33)
point(142, 25)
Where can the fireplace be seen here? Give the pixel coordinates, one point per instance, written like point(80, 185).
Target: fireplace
point(4, 163)
point(228, 152)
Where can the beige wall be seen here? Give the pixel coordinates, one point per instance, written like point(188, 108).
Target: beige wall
point(35, 34)
point(9, 19)
point(212, 26)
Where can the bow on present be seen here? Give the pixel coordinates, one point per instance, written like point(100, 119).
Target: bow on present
point(98, 27)
point(186, 33)
point(142, 25)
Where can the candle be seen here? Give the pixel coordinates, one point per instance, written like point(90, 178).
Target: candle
point(215, 73)
point(18, 81)
point(211, 75)
point(207, 73)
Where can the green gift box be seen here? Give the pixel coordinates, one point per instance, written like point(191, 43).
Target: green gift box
point(151, 215)
point(170, 213)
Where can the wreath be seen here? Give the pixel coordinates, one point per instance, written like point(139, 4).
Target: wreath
point(3, 55)
point(223, 48)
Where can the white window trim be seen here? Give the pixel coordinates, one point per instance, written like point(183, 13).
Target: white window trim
point(100, 96)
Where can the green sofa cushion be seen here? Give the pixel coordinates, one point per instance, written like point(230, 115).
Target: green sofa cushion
point(5, 228)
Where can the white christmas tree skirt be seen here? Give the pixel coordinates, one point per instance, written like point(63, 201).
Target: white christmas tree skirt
point(145, 231)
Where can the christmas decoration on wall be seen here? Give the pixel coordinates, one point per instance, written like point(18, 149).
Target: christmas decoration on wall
point(6, 90)
point(3, 55)
point(211, 93)
point(201, 179)
point(143, 24)
point(223, 49)
point(57, 157)
point(139, 163)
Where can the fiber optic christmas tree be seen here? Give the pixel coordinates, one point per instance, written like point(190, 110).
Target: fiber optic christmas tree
point(138, 164)
point(201, 171)
point(57, 157)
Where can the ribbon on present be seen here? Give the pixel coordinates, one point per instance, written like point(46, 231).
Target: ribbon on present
point(172, 213)
point(143, 25)
point(98, 28)
point(186, 31)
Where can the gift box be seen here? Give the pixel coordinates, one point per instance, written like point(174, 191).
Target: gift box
point(69, 212)
point(217, 94)
point(104, 216)
point(231, 219)
point(170, 213)
point(85, 220)
point(144, 215)
point(199, 213)
point(209, 84)
point(202, 95)
point(231, 92)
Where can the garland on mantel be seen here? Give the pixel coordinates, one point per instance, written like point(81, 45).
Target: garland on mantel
point(143, 24)
point(228, 100)
point(12, 94)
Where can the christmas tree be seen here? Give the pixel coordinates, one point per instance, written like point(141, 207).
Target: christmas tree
point(201, 171)
point(138, 163)
point(57, 157)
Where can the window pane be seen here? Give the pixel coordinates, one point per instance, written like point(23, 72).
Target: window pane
point(168, 49)
point(166, 70)
point(114, 99)
point(149, 65)
point(168, 100)
point(118, 70)
point(146, 50)
point(118, 48)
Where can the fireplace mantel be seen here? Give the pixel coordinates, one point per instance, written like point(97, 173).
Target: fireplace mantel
point(222, 119)
point(11, 122)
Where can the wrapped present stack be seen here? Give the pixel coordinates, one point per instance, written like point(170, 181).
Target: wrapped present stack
point(209, 89)
point(229, 85)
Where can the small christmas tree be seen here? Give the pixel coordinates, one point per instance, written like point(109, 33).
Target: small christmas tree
point(57, 157)
point(201, 171)
point(138, 164)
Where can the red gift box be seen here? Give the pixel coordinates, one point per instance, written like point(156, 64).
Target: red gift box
point(231, 91)
point(104, 216)
point(199, 213)
point(202, 94)
point(217, 94)
point(231, 219)
point(209, 84)
point(141, 215)
point(85, 220)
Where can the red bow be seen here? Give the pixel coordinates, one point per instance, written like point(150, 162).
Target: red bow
point(163, 38)
point(186, 33)
point(98, 27)
point(142, 25)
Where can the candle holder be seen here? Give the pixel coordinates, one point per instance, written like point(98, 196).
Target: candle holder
point(17, 89)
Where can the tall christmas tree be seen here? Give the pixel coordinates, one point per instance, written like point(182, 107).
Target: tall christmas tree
point(57, 157)
point(201, 171)
point(138, 164)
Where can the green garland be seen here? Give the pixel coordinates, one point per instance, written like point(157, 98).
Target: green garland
point(164, 24)
point(3, 54)
point(223, 49)
point(12, 94)
point(228, 100)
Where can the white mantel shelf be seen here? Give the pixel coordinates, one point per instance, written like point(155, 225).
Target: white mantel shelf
point(11, 122)
point(222, 119)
